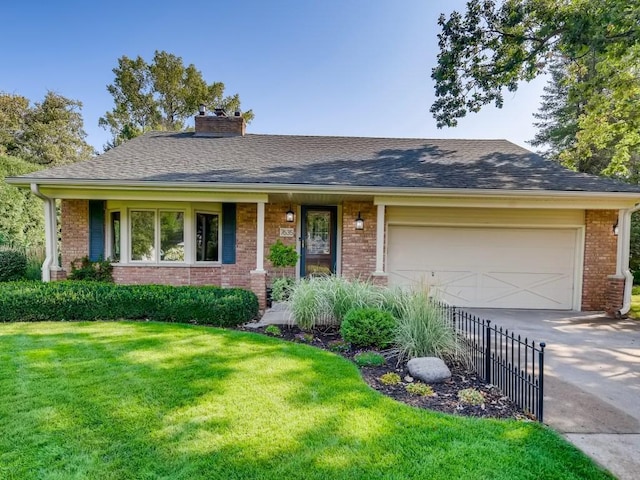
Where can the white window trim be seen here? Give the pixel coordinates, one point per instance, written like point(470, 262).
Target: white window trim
point(189, 209)
point(157, 211)
point(108, 244)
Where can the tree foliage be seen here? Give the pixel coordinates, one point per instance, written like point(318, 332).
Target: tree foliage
point(48, 133)
point(493, 47)
point(161, 95)
point(21, 213)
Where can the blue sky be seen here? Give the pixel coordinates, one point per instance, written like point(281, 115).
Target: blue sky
point(351, 67)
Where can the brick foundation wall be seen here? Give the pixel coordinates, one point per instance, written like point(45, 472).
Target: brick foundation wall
point(166, 275)
point(274, 219)
point(74, 225)
point(358, 246)
point(600, 251)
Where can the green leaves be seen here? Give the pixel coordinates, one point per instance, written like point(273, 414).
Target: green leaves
point(494, 47)
point(160, 95)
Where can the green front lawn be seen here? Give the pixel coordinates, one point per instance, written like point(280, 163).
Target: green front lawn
point(147, 400)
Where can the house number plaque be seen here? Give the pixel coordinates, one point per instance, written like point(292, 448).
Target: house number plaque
point(287, 232)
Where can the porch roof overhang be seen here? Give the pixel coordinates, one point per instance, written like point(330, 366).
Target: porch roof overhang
point(296, 193)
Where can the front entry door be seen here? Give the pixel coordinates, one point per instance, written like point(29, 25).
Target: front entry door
point(318, 243)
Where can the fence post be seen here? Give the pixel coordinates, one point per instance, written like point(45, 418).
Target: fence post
point(487, 352)
point(541, 382)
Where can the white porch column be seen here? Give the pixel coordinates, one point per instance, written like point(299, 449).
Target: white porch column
point(50, 233)
point(380, 241)
point(260, 239)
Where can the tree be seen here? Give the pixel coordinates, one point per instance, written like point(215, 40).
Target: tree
point(495, 47)
point(161, 95)
point(13, 110)
point(557, 123)
point(53, 132)
point(21, 213)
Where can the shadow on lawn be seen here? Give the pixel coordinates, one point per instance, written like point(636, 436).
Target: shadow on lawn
point(194, 402)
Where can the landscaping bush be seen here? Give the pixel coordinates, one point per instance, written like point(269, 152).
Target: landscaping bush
point(56, 301)
point(13, 265)
point(369, 359)
point(422, 331)
point(85, 269)
point(326, 300)
point(281, 288)
point(368, 327)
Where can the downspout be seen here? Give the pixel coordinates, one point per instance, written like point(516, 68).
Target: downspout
point(624, 240)
point(51, 239)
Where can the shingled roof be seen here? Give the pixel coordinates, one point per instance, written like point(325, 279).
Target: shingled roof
point(329, 161)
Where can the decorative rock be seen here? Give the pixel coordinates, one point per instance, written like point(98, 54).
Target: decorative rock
point(429, 369)
point(408, 379)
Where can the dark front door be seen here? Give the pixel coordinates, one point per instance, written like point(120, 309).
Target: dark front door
point(318, 252)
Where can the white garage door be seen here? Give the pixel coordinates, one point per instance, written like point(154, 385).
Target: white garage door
point(486, 267)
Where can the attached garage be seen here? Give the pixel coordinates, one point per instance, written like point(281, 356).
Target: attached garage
point(500, 266)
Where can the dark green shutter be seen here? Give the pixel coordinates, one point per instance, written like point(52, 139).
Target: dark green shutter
point(96, 229)
point(229, 233)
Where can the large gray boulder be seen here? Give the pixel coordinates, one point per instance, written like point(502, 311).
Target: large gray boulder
point(429, 369)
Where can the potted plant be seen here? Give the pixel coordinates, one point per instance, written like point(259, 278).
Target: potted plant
point(281, 256)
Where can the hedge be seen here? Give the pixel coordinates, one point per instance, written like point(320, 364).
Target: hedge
point(69, 300)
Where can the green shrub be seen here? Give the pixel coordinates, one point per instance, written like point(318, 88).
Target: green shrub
point(282, 256)
point(273, 330)
point(281, 288)
point(85, 269)
point(421, 389)
point(635, 290)
point(338, 346)
point(326, 300)
point(471, 396)
point(55, 301)
point(368, 359)
point(390, 378)
point(422, 330)
point(368, 327)
point(13, 265)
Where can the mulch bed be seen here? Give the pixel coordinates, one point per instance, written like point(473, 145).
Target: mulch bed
point(445, 398)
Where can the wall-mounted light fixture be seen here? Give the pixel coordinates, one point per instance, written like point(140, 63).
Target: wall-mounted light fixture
point(202, 109)
point(615, 229)
point(359, 222)
point(290, 216)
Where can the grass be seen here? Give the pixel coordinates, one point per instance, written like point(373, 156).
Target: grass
point(124, 400)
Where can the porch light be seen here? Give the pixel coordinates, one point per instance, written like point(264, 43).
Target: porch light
point(615, 229)
point(290, 216)
point(202, 109)
point(359, 222)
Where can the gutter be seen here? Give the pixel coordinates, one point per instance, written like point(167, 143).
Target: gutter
point(312, 188)
point(624, 218)
point(50, 232)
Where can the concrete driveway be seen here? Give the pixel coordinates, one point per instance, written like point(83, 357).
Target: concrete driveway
point(592, 380)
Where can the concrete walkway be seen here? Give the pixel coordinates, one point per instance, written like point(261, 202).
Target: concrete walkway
point(278, 314)
point(592, 380)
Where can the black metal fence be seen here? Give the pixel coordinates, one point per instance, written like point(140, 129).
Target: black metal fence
point(512, 363)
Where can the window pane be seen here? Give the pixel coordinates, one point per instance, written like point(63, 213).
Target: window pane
point(143, 236)
point(114, 255)
point(172, 236)
point(206, 237)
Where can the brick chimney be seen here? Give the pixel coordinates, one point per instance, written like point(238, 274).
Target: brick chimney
point(219, 125)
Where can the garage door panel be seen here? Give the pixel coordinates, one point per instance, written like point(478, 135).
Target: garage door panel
point(486, 267)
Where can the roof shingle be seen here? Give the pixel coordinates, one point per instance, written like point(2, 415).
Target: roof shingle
point(340, 161)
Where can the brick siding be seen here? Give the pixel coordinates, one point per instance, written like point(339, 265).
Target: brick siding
point(166, 275)
point(358, 246)
point(237, 275)
point(600, 251)
point(74, 219)
point(274, 219)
